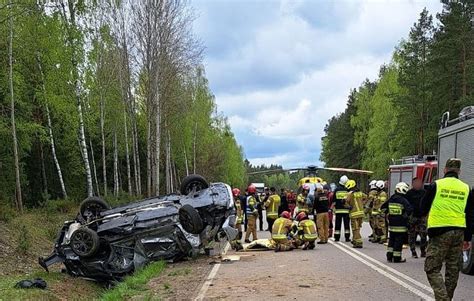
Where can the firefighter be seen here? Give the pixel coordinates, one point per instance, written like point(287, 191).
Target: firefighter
point(238, 212)
point(305, 231)
point(303, 201)
point(342, 212)
point(280, 232)
point(271, 205)
point(368, 206)
point(380, 233)
point(399, 209)
point(355, 202)
point(252, 213)
point(321, 208)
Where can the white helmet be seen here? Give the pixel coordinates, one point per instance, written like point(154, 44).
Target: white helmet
point(372, 184)
point(343, 180)
point(380, 184)
point(402, 188)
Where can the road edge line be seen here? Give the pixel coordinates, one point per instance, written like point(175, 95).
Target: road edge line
point(398, 281)
point(390, 269)
point(212, 274)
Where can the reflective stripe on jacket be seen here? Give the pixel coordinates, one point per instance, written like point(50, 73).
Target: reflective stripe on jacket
point(272, 205)
point(356, 202)
point(308, 227)
point(281, 228)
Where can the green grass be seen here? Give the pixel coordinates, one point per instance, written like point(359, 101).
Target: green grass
point(135, 284)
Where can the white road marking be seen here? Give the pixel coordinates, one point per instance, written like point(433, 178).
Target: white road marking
point(412, 289)
point(210, 277)
point(392, 270)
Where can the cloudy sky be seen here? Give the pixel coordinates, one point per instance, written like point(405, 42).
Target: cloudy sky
point(281, 69)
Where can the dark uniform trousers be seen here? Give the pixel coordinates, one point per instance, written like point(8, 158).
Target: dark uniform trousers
point(395, 245)
point(340, 218)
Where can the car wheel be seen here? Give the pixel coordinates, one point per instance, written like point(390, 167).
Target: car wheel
point(92, 207)
point(84, 242)
point(190, 219)
point(193, 183)
point(468, 261)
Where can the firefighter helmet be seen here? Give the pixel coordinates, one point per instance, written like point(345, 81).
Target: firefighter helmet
point(343, 180)
point(402, 188)
point(251, 189)
point(351, 184)
point(372, 184)
point(285, 214)
point(380, 184)
point(236, 192)
point(301, 216)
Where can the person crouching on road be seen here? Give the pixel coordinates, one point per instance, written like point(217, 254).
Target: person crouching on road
point(252, 213)
point(355, 201)
point(450, 208)
point(321, 206)
point(341, 210)
point(271, 206)
point(280, 232)
point(399, 209)
point(305, 231)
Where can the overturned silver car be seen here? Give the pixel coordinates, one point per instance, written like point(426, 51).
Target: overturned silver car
point(106, 244)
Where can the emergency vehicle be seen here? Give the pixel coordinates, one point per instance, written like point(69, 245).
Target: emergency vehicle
point(407, 168)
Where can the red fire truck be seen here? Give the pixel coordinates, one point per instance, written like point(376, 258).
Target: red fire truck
point(407, 168)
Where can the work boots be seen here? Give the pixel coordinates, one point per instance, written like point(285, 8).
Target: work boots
point(413, 254)
point(423, 254)
point(399, 260)
point(389, 256)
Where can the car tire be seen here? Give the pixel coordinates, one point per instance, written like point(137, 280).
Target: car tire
point(468, 261)
point(190, 219)
point(84, 242)
point(193, 183)
point(91, 207)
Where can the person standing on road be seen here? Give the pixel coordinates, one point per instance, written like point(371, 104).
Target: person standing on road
point(355, 202)
point(330, 195)
point(321, 208)
point(260, 205)
point(303, 200)
point(238, 212)
point(379, 217)
point(283, 201)
point(368, 206)
point(280, 231)
point(416, 223)
point(449, 205)
point(252, 213)
point(342, 212)
point(271, 207)
point(399, 209)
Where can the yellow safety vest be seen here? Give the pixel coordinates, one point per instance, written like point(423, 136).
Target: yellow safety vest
point(449, 205)
point(272, 205)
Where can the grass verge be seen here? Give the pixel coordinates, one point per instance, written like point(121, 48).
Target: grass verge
point(135, 284)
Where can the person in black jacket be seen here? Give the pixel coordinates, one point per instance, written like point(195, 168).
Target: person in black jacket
point(321, 208)
point(283, 202)
point(416, 222)
point(341, 210)
point(398, 209)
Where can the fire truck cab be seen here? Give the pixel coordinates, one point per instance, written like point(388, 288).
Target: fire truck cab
point(407, 168)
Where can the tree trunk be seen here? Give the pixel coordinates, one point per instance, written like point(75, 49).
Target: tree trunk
point(94, 168)
point(127, 155)
point(43, 170)
point(148, 159)
point(102, 135)
point(50, 134)
point(18, 195)
point(157, 147)
point(194, 147)
point(186, 162)
point(82, 141)
point(116, 178)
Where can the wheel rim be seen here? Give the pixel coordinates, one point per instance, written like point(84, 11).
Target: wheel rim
point(82, 243)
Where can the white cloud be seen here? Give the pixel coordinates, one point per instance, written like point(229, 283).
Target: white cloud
point(294, 70)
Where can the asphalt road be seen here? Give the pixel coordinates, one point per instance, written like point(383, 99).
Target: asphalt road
point(334, 271)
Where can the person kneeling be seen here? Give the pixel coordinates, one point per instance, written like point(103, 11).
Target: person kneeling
point(280, 231)
point(305, 231)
